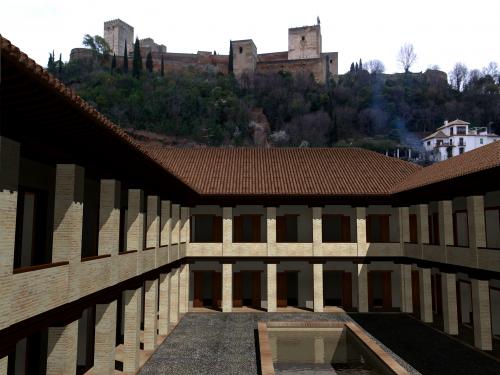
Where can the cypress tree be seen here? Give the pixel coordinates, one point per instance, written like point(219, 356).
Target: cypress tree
point(360, 65)
point(352, 68)
point(125, 59)
point(162, 69)
point(51, 63)
point(113, 63)
point(137, 60)
point(149, 62)
point(60, 65)
point(230, 65)
point(356, 67)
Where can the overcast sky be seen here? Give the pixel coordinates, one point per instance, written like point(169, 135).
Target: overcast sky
point(442, 31)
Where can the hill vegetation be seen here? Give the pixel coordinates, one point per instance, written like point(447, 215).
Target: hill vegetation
point(372, 110)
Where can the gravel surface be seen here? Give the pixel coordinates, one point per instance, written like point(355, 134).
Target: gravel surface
point(216, 343)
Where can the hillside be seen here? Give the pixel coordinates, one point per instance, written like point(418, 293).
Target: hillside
point(375, 111)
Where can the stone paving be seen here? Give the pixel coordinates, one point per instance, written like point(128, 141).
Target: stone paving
point(215, 343)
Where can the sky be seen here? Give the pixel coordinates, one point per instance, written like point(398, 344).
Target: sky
point(443, 32)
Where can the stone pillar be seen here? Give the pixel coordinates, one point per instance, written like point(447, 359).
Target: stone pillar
point(9, 181)
point(449, 293)
point(422, 223)
point(271, 288)
point(425, 295)
point(227, 287)
point(68, 213)
point(481, 314)
point(164, 310)
point(318, 287)
point(165, 223)
point(404, 220)
point(271, 230)
point(62, 349)
point(475, 217)
point(362, 287)
point(150, 314)
point(135, 219)
point(153, 222)
point(183, 288)
point(227, 230)
point(105, 338)
point(174, 296)
point(132, 325)
point(175, 223)
point(406, 292)
point(4, 363)
point(361, 226)
point(317, 228)
point(445, 212)
point(109, 217)
point(184, 224)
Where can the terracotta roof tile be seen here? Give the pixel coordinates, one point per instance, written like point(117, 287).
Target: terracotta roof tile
point(284, 171)
point(480, 159)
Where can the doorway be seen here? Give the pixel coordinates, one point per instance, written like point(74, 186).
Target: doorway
point(207, 289)
point(415, 293)
point(288, 288)
point(379, 291)
point(337, 289)
point(247, 289)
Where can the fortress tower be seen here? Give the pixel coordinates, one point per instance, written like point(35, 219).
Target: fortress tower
point(244, 57)
point(304, 42)
point(117, 33)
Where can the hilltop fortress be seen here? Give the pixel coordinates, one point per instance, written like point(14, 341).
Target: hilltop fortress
point(304, 54)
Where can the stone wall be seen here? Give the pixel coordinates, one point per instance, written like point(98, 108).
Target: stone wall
point(304, 42)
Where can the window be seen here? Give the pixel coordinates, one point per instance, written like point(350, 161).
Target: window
point(91, 199)
point(492, 219)
point(287, 228)
point(336, 228)
point(434, 229)
point(461, 130)
point(460, 228)
point(246, 228)
point(31, 247)
point(460, 150)
point(481, 140)
point(241, 49)
point(413, 228)
point(428, 143)
point(377, 228)
point(331, 61)
point(303, 38)
point(206, 228)
point(461, 142)
point(451, 131)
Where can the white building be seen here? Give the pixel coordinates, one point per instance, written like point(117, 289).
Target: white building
point(455, 138)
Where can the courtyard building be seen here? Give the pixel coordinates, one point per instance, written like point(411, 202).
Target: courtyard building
point(105, 245)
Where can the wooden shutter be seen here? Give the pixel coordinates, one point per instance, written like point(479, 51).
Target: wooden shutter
point(387, 290)
point(370, 289)
point(345, 223)
point(347, 291)
point(281, 290)
point(280, 229)
point(217, 290)
point(255, 228)
point(413, 228)
point(256, 296)
point(384, 228)
point(238, 228)
point(217, 229)
point(198, 285)
point(237, 290)
point(369, 219)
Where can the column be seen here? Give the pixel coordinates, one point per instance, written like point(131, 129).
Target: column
point(425, 295)
point(445, 212)
point(174, 296)
point(165, 223)
point(109, 217)
point(361, 231)
point(153, 222)
point(132, 325)
point(404, 220)
point(362, 287)
point(475, 217)
point(449, 293)
point(62, 349)
point(317, 228)
point(227, 287)
point(481, 314)
point(135, 219)
point(271, 230)
point(227, 230)
point(9, 181)
point(406, 292)
point(318, 287)
point(271, 288)
point(183, 288)
point(105, 338)
point(164, 309)
point(150, 314)
point(422, 223)
point(4, 362)
point(175, 223)
point(184, 224)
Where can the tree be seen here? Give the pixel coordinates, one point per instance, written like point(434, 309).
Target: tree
point(458, 75)
point(149, 62)
point(351, 69)
point(137, 60)
point(230, 65)
point(492, 70)
point(125, 59)
point(97, 44)
point(162, 68)
point(375, 66)
point(360, 64)
point(113, 63)
point(406, 57)
point(356, 67)
point(59, 65)
point(51, 64)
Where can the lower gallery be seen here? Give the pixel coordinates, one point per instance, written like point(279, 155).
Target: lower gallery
point(105, 244)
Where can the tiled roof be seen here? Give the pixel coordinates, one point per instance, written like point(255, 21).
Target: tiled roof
point(284, 171)
point(455, 122)
point(438, 134)
point(480, 159)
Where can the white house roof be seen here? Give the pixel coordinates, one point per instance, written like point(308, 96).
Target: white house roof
point(454, 122)
point(438, 134)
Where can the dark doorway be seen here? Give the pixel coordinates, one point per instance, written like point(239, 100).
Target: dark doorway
point(415, 293)
point(337, 289)
point(203, 289)
point(247, 289)
point(288, 288)
point(379, 291)
point(437, 298)
point(217, 289)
